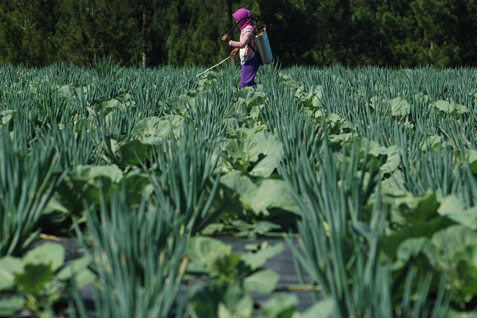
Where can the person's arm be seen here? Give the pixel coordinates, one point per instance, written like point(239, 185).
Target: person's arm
point(234, 52)
point(244, 40)
point(225, 37)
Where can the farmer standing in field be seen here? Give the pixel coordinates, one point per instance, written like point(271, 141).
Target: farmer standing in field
point(248, 57)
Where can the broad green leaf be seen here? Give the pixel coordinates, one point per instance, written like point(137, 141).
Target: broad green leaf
point(461, 314)
point(453, 208)
point(449, 107)
point(123, 102)
point(242, 152)
point(82, 185)
point(420, 229)
point(33, 278)
point(55, 205)
point(400, 107)
point(235, 304)
point(249, 132)
point(204, 300)
point(224, 312)
point(467, 217)
point(10, 305)
point(223, 265)
point(316, 95)
point(207, 254)
point(9, 266)
point(413, 248)
point(394, 185)
point(450, 205)
point(212, 229)
point(221, 300)
point(388, 157)
point(333, 118)
point(393, 159)
point(337, 124)
point(272, 193)
point(108, 104)
point(272, 148)
point(421, 98)
point(377, 103)
point(138, 184)
point(150, 127)
point(78, 270)
point(457, 256)
point(90, 173)
point(311, 98)
point(232, 125)
point(50, 254)
point(261, 282)
point(269, 193)
point(255, 112)
point(280, 306)
point(425, 209)
point(454, 239)
point(252, 98)
point(323, 309)
point(258, 259)
point(255, 228)
point(131, 152)
point(153, 129)
point(240, 183)
point(6, 116)
point(412, 209)
point(342, 138)
point(261, 148)
point(431, 142)
point(66, 91)
point(318, 114)
point(372, 148)
point(473, 160)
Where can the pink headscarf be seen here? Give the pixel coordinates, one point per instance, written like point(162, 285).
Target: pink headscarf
point(243, 13)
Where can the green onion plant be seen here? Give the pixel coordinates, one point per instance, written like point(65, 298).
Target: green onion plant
point(138, 256)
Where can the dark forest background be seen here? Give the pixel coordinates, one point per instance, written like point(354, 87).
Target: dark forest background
point(181, 32)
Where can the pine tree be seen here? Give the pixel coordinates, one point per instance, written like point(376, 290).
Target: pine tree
point(92, 29)
point(27, 31)
point(188, 32)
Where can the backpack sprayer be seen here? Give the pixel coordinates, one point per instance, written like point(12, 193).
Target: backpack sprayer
point(264, 50)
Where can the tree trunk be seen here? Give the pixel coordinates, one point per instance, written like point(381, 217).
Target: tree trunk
point(144, 30)
point(229, 12)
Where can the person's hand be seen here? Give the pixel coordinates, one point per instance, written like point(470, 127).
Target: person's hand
point(234, 52)
point(225, 37)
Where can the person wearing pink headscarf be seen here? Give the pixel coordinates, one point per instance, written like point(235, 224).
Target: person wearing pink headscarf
point(246, 47)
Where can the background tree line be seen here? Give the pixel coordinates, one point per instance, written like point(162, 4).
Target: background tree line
point(178, 32)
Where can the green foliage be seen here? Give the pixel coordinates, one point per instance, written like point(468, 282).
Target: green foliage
point(373, 170)
point(40, 277)
point(280, 306)
point(24, 26)
point(137, 254)
point(92, 29)
point(26, 185)
point(187, 32)
point(232, 277)
point(341, 244)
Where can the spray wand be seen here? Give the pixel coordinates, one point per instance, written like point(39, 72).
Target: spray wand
point(212, 67)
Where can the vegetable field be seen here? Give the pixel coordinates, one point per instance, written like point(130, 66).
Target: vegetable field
point(124, 181)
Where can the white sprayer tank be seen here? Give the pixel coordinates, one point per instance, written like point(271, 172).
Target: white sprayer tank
point(263, 47)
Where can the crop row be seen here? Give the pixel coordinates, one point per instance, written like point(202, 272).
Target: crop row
point(372, 172)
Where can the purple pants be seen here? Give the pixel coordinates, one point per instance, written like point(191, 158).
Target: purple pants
point(249, 70)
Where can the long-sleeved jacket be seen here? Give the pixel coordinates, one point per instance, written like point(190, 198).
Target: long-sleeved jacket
point(247, 39)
